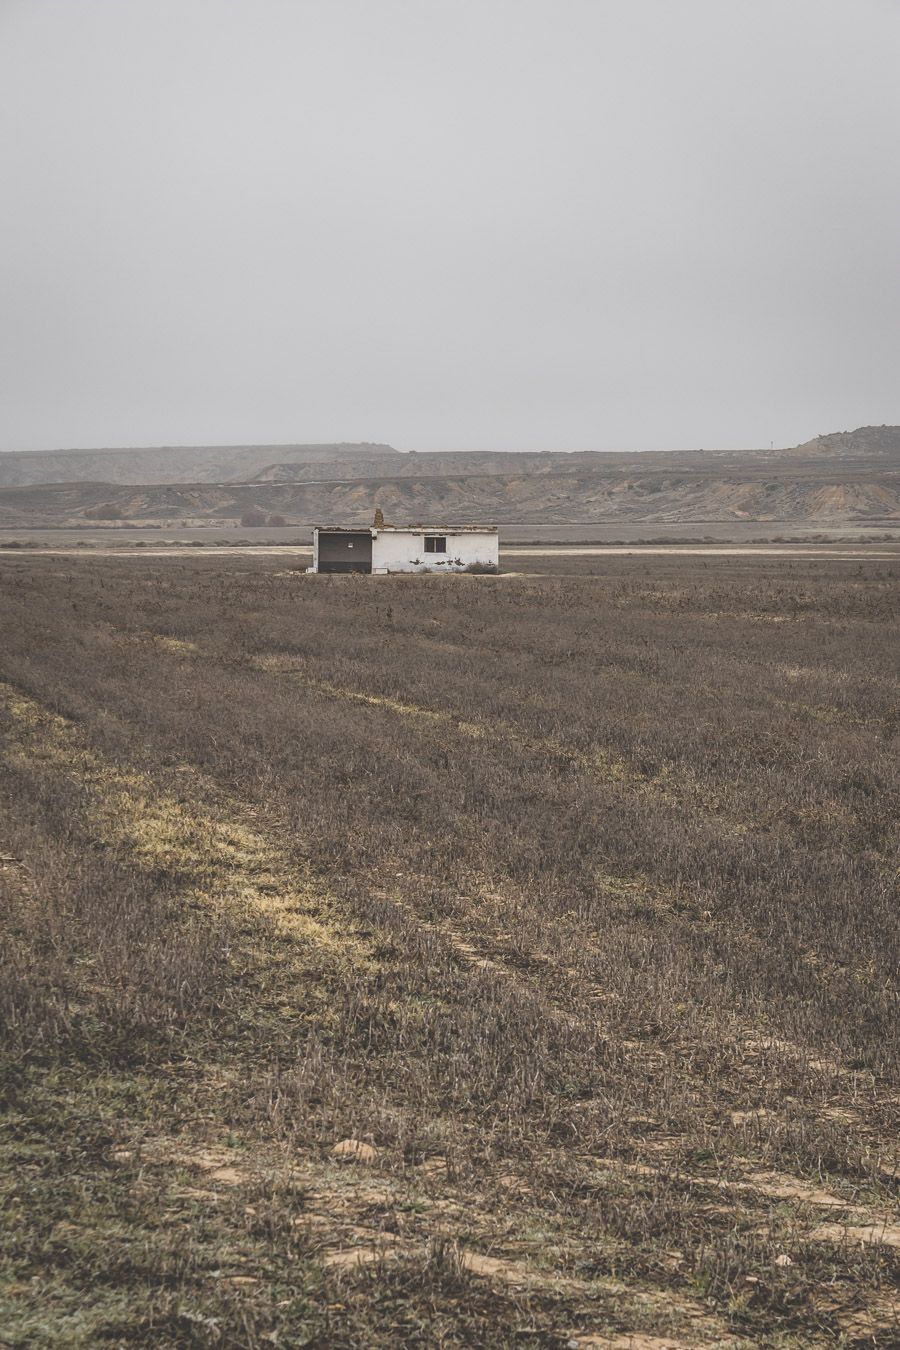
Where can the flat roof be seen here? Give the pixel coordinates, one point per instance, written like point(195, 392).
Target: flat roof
point(406, 529)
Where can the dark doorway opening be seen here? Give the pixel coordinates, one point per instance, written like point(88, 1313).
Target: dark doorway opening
point(345, 551)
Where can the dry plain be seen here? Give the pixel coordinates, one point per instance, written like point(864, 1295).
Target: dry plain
point(450, 961)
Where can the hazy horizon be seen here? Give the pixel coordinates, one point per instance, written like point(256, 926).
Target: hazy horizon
point(497, 225)
point(388, 445)
point(405, 450)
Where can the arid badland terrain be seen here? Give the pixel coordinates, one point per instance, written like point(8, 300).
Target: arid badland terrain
point(846, 478)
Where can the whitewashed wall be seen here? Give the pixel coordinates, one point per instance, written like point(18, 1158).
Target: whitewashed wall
point(404, 551)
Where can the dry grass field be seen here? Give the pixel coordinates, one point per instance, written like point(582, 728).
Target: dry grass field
point(496, 961)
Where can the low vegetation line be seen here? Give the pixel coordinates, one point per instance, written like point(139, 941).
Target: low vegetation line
point(222, 860)
point(610, 768)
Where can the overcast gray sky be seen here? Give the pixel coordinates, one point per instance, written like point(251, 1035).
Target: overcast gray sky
point(448, 224)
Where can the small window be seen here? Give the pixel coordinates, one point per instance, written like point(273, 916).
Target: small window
point(435, 543)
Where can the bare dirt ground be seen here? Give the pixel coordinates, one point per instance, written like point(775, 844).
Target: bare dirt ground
point(707, 550)
point(450, 961)
point(509, 554)
point(730, 532)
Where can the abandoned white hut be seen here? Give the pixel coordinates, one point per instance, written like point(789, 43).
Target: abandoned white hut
point(395, 548)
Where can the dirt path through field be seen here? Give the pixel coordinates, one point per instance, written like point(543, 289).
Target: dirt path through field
point(819, 553)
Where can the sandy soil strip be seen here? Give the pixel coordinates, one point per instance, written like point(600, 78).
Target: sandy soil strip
point(817, 552)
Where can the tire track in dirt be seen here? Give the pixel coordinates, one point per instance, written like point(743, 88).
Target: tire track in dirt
point(861, 1223)
point(600, 762)
point(685, 792)
point(486, 951)
point(484, 954)
point(482, 951)
point(213, 842)
point(337, 1205)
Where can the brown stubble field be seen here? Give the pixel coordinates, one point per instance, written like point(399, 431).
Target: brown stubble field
point(570, 896)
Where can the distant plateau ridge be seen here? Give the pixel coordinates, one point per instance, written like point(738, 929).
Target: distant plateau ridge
point(841, 477)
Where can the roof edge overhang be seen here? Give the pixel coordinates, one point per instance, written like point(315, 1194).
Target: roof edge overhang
point(406, 529)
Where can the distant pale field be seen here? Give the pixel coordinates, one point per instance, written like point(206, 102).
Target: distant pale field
point(732, 532)
point(509, 556)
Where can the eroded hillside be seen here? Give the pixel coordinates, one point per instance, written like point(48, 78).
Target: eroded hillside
point(778, 494)
point(854, 477)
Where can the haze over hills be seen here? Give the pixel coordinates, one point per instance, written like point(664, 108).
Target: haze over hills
point(172, 463)
point(842, 477)
point(290, 463)
point(858, 444)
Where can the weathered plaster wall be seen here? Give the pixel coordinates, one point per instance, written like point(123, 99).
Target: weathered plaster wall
point(404, 551)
